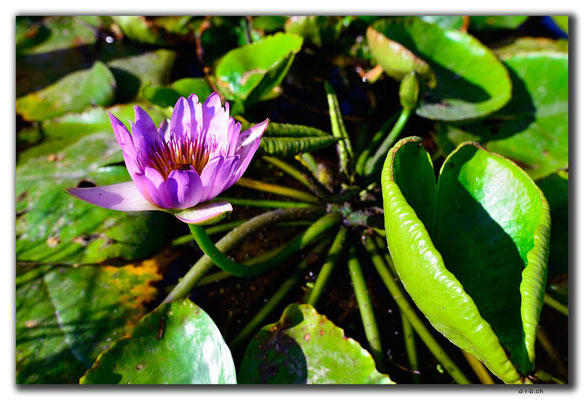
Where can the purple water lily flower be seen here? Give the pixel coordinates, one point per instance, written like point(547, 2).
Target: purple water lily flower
point(183, 164)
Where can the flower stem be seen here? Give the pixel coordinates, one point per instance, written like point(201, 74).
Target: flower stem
point(266, 203)
point(316, 230)
point(326, 270)
point(399, 297)
point(212, 230)
point(277, 189)
point(373, 144)
point(276, 298)
point(365, 308)
point(410, 343)
point(229, 241)
point(481, 372)
point(556, 305)
point(289, 169)
point(374, 164)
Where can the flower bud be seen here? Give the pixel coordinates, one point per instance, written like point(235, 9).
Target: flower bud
point(409, 90)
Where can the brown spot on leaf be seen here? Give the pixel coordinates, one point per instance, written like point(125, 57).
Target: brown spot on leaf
point(307, 337)
point(53, 241)
point(31, 323)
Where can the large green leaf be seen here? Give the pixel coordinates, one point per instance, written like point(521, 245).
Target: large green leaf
point(167, 96)
point(483, 257)
point(65, 316)
point(138, 28)
point(54, 135)
point(291, 146)
point(53, 34)
point(53, 226)
point(305, 347)
point(74, 92)
point(466, 80)
point(533, 127)
point(134, 72)
point(252, 71)
point(177, 343)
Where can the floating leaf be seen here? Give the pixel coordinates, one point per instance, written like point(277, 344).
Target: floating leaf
point(269, 23)
point(305, 347)
point(53, 226)
point(533, 127)
point(75, 92)
point(446, 21)
point(252, 71)
point(481, 251)
point(494, 22)
point(465, 78)
point(178, 343)
point(167, 96)
point(139, 29)
point(65, 316)
point(55, 33)
point(134, 72)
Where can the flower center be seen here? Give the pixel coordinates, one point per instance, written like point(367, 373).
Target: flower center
point(182, 154)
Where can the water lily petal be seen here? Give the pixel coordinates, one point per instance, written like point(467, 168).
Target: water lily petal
point(196, 116)
point(148, 184)
point(251, 135)
point(182, 188)
point(144, 131)
point(205, 213)
point(215, 124)
point(180, 123)
point(126, 144)
point(209, 176)
point(164, 130)
point(121, 196)
point(224, 178)
point(233, 133)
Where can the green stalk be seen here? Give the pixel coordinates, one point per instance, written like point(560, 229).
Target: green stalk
point(344, 149)
point(404, 306)
point(273, 302)
point(289, 169)
point(277, 189)
point(373, 145)
point(410, 342)
point(556, 305)
point(481, 372)
point(214, 278)
point(266, 203)
point(212, 230)
point(365, 308)
point(229, 241)
point(316, 230)
point(551, 351)
point(326, 270)
point(374, 164)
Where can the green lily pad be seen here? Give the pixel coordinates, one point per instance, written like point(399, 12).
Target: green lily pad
point(66, 316)
point(556, 187)
point(167, 96)
point(305, 347)
point(56, 134)
point(465, 79)
point(74, 92)
point(482, 254)
point(494, 22)
point(269, 23)
point(178, 343)
point(532, 128)
point(139, 29)
point(320, 30)
point(134, 72)
point(52, 226)
point(54, 34)
point(252, 71)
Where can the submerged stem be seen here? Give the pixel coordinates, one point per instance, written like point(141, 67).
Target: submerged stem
point(289, 169)
point(315, 231)
point(365, 308)
point(277, 189)
point(481, 372)
point(556, 305)
point(375, 162)
point(230, 240)
point(411, 351)
point(326, 270)
point(400, 298)
point(266, 203)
